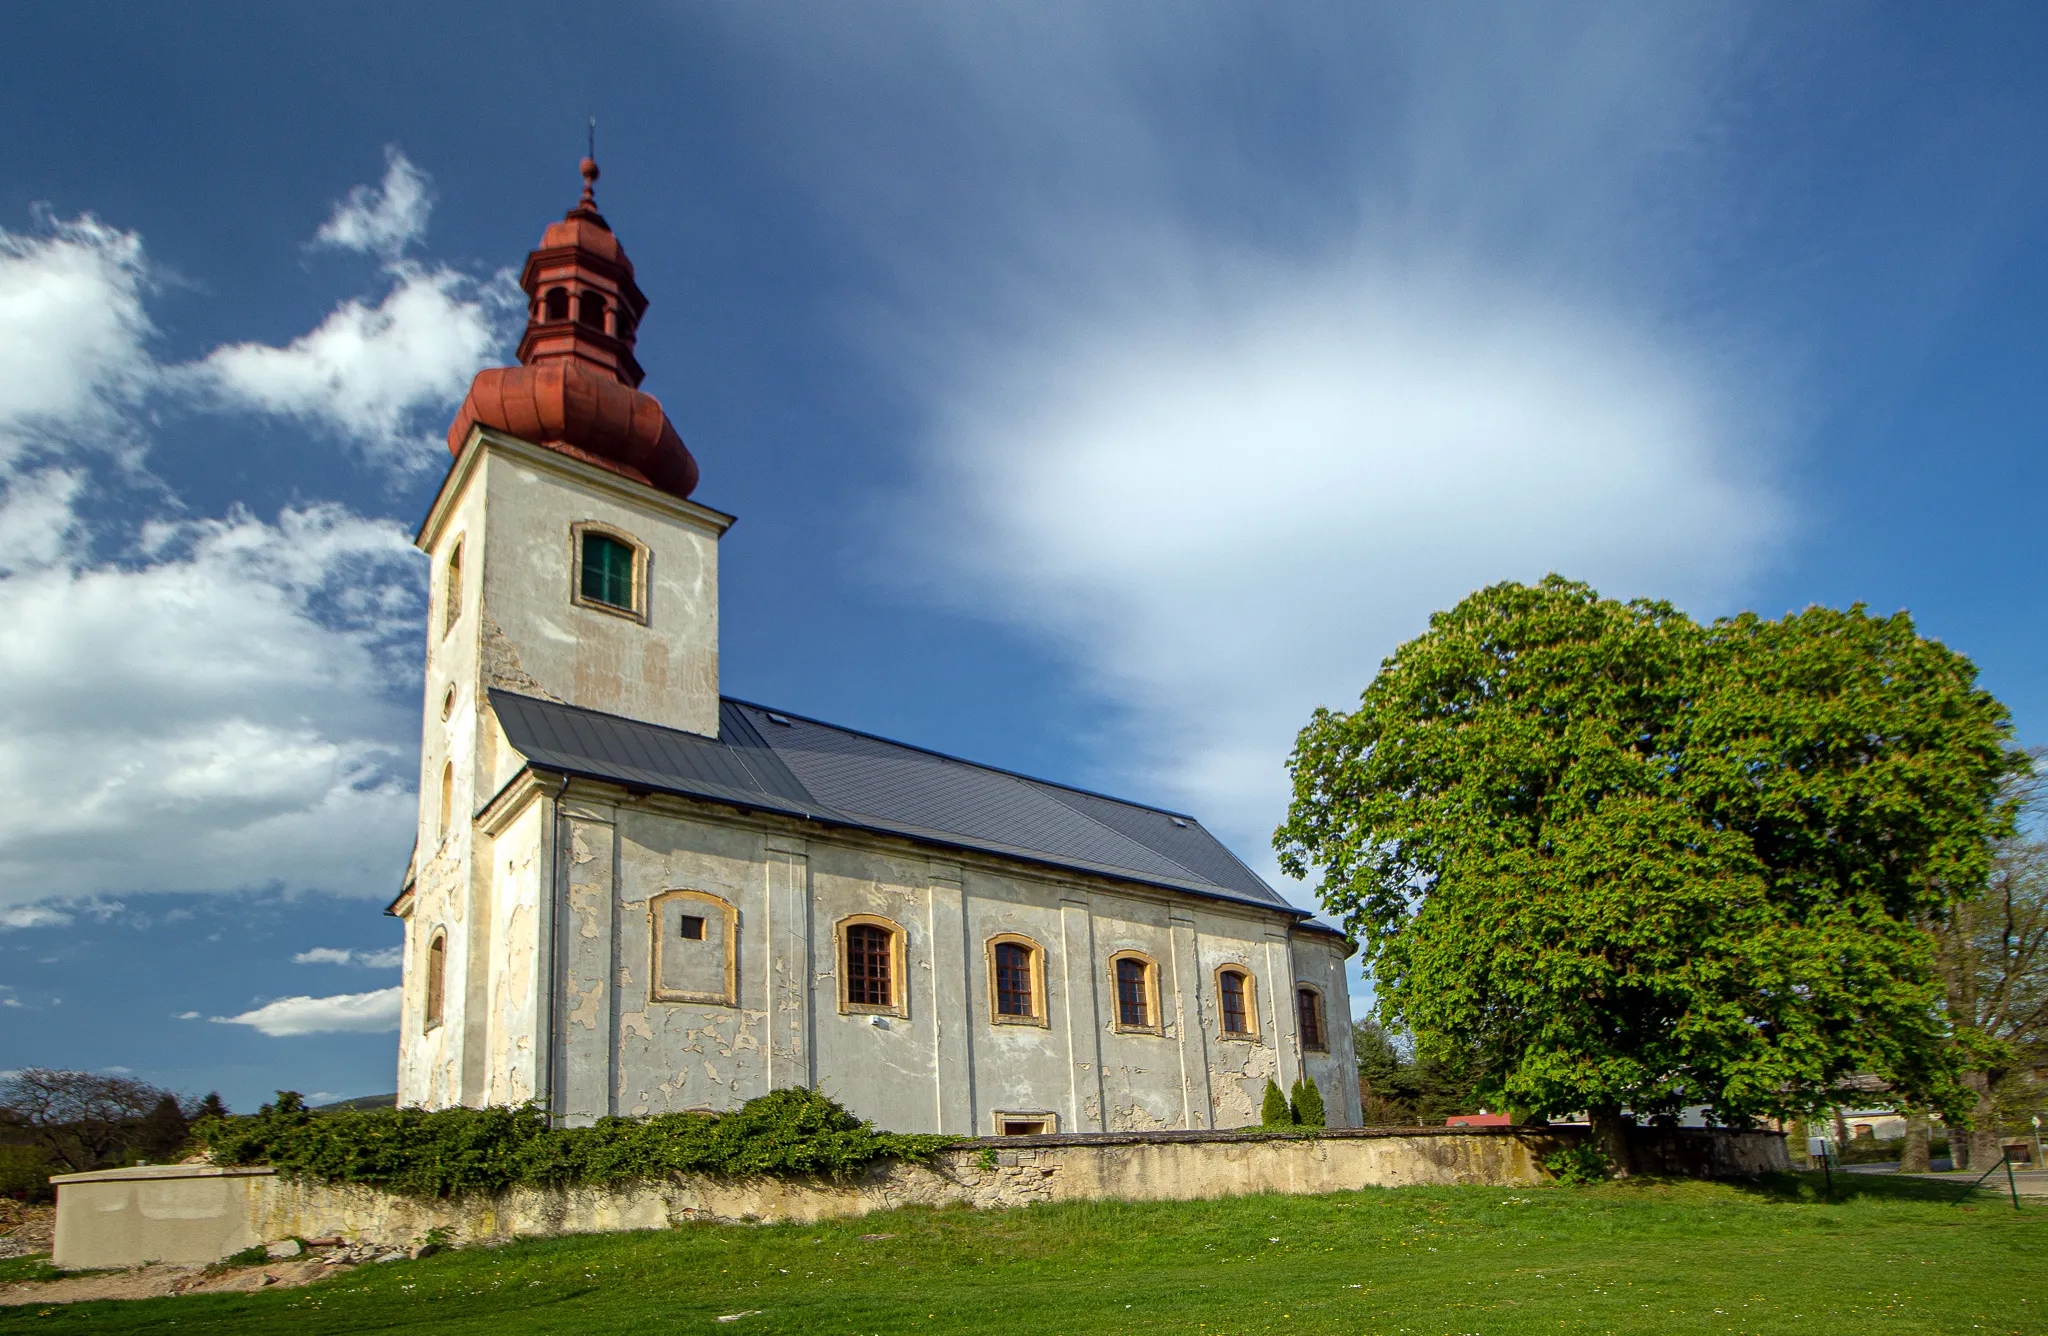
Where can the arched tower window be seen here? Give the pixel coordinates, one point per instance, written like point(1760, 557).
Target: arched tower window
point(590, 309)
point(558, 303)
point(437, 978)
point(451, 591)
point(447, 797)
point(609, 572)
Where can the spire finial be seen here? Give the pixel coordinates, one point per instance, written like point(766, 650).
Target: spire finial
point(589, 169)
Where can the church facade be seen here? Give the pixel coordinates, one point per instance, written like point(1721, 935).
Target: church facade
point(631, 895)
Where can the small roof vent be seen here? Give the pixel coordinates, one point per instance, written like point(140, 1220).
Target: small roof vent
point(775, 718)
point(1178, 821)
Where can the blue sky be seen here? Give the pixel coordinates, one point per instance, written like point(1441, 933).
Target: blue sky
point(1100, 388)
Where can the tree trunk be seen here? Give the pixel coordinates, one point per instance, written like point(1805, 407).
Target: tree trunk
point(1610, 1134)
point(1985, 1149)
point(1841, 1133)
point(1913, 1155)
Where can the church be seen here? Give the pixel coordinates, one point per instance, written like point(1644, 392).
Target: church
point(632, 895)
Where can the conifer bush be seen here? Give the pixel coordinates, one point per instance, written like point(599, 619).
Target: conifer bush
point(1308, 1103)
point(1275, 1111)
point(453, 1152)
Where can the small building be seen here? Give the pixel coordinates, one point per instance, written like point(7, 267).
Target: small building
point(633, 895)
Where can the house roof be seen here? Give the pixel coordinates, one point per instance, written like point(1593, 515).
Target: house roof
point(773, 761)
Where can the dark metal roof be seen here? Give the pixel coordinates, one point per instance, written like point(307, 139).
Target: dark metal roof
point(773, 761)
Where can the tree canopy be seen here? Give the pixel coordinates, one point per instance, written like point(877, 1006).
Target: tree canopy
point(1629, 860)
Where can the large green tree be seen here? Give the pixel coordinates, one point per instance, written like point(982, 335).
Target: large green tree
point(1631, 861)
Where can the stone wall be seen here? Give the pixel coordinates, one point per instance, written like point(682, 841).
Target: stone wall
point(200, 1213)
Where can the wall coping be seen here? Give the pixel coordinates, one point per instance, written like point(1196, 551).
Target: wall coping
point(144, 1172)
point(1047, 1141)
point(1258, 1134)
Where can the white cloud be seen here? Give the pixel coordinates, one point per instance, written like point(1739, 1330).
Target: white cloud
point(73, 345)
point(186, 1016)
point(33, 916)
point(323, 955)
point(381, 376)
point(388, 958)
point(385, 219)
point(221, 714)
point(344, 1013)
point(1223, 394)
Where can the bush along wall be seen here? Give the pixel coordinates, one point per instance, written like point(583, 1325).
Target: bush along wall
point(453, 1152)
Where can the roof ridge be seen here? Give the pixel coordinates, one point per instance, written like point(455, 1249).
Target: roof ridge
point(962, 760)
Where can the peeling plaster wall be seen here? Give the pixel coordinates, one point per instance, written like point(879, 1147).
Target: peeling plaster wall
point(199, 1213)
point(663, 670)
point(944, 1064)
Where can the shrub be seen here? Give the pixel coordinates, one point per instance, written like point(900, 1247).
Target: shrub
point(1274, 1112)
point(24, 1173)
point(1577, 1165)
point(1307, 1104)
point(450, 1152)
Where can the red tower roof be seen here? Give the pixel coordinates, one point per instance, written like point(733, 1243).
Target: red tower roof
point(576, 388)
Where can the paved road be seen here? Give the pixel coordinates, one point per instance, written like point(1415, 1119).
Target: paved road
point(2030, 1182)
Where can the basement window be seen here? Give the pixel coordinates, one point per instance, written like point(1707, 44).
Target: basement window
point(1036, 1123)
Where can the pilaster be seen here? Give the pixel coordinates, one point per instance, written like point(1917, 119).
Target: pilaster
point(586, 957)
point(787, 951)
point(1191, 1039)
point(1084, 1017)
point(951, 1011)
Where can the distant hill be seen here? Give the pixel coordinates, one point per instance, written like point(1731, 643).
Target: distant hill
point(360, 1102)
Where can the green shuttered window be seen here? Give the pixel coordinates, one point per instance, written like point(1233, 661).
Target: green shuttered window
point(608, 572)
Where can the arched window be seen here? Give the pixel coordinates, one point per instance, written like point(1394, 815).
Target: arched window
point(1236, 1005)
point(437, 978)
point(871, 966)
point(1136, 981)
point(610, 572)
point(448, 704)
point(1309, 1004)
point(622, 322)
point(1016, 980)
point(451, 590)
point(558, 304)
point(590, 309)
point(447, 799)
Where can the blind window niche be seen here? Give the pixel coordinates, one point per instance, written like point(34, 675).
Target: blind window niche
point(694, 936)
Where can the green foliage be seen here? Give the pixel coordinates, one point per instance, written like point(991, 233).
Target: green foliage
point(1621, 858)
point(1306, 1104)
point(1274, 1110)
point(451, 1152)
point(1576, 1166)
point(25, 1172)
point(1403, 1084)
point(253, 1255)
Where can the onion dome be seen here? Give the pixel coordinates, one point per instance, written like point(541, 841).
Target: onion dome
point(577, 386)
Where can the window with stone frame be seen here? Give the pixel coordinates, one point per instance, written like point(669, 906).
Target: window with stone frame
point(1309, 1004)
point(871, 966)
point(1134, 983)
point(1016, 978)
point(1237, 1007)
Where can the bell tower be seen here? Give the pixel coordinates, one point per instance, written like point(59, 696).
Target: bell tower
point(568, 564)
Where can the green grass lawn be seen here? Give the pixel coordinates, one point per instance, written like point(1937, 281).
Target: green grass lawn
point(1885, 1256)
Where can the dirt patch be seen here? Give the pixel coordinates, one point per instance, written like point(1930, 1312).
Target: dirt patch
point(26, 1231)
point(158, 1282)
